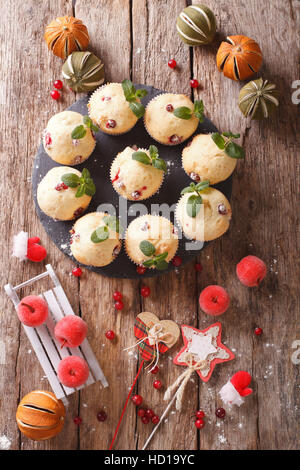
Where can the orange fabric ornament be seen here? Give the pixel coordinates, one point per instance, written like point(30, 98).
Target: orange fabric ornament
point(239, 58)
point(40, 415)
point(65, 35)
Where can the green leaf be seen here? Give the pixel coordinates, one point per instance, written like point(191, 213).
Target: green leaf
point(218, 140)
point(94, 127)
point(89, 187)
point(183, 112)
point(85, 174)
point(188, 189)
point(80, 191)
point(230, 134)
point(161, 257)
point(113, 223)
point(100, 234)
point(147, 248)
point(79, 132)
point(193, 205)
point(234, 150)
point(137, 108)
point(160, 164)
point(71, 179)
point(141, 93)
point(161, 265)
point(141, 157)
point(201, 186)
point(87, 121)
point(199, 110)
point(129, 90)
point(148, 263)
point(153, 151)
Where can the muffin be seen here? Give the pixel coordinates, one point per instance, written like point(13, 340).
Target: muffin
point(157, 230)
point(110, 111)
point(59, 144)
point(203, 160)
point(212, 220)
point(163, 125)
point(132, 179)
point(89, 252)
point(58, 200)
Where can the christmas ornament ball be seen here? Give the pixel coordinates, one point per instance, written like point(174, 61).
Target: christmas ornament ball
point(196, 25)
point(83, 71)
point(258, 99)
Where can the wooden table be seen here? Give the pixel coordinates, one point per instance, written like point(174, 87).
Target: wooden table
point(136, 39)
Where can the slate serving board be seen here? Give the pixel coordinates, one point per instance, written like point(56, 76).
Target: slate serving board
point(99, 163)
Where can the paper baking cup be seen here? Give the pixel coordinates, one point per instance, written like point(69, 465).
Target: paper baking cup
point(96, 123)
point(159, 141)
point(129, 255)
point(130, 198)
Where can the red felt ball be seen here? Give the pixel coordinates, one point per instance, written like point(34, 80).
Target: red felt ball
point(137, 400)
point(77, 272)
point(55, 94)
point(32, 310)
point(199, 423)
point(172, 63)
point(214, 300)
point(73, 371)
point(110, 334)
point(117, 295)
point(35, 252)
point(58, 84)
point(157, 384)
point(194, 83)
point(70, 331)
point(145, 291)
point(251, 271)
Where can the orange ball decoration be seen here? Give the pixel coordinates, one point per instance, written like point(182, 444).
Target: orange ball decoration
point(65, 35)
point(239, 58)
point(40, 415)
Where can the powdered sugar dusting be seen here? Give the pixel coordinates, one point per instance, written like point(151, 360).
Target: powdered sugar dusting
point(5, 443)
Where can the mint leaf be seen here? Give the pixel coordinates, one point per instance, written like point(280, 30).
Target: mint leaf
point(230, 134)
point(160, 164)
point(153, 151)
point(85, 174)
point(188, 189)
point(80, 191)
point(113, 223)
point(161, 257)
point(147, 248)
point(129, 90)
point(71, 179)
point(161, 265)
point(234, 150)
point(148, 263)
point(193, 205)
point(137, 108)
point(89, 187)
point(141, 157)
point(79, 132)
point(87, 121)
point(201, 186)
point(100, 234)
point(183, 112)
point(199, 110)
point(141, 93)
point(218, 140)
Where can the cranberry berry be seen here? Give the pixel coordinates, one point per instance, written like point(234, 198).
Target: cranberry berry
point(169, 108)
point(155, 370)
point(61, 186)
point(77, 421)
point(141, 412)
point(137, 400)
point(198, 267)
point(199, 423)
point(117, 295)
point(55, 94)
point(220, 413)
point(155, 419)
point(194, 83)
point(258, 331)
point(110, 334)
point(200, 414)
point(76, 272)
point(58, 84)
point(172, 63)
point(157, 384)
point(145, 291)
point(111, 123)
point(176, 261)
point(119, 305)
point(141, 269)
point(101, 416)
point(145, 420)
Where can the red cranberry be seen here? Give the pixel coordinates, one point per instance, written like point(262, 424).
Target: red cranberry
point(110, 334)
point(169, 108)
point(117, 295)
point(172, 63)
point(199, 423)
point(58, 84)
point(195, 177)
point(136, 195)
point(61, 186)
point(220, 413)
point(145, 420)
point(149, 413)
point(198, 267)
point(145, 291)
point(174, 139)
point(200, 414)
point(78, 211)
point(117, 176)
point(141, 269)
point(157, 384)
point(78, 159)
point(106, 98)
point(111, 123)
point(137, 400)
point(119, 305)
point(155, 370)
point(77, 421)
point(176, 261)
point(155, 419)
point(134, 147)
point(76, 272)
point(258, 331)
point(48, 140)
point(55, 94)
point(116, 250)
point(194, 83)
point(101, 416)
point(141, 412)
point(222, 209)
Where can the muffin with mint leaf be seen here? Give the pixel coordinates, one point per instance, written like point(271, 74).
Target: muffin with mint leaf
point(151, 241)
point(116, 107)
point(211, 157)
point(61, 144)
point(95, 239)
point(203, 213)
point(172, 118)
point(137, 174)
point(64, 193)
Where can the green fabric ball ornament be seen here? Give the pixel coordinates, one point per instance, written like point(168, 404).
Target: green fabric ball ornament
point(258, 99)
point(83, 71)
point(196, 25)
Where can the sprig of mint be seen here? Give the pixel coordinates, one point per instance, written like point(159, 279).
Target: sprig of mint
point(194, 202)
point(84, 183)
point(183, 112)
point(80, 131)
point(231, 149)
point(132, 95)
point(153, 160)
point(159, 261)
point(102, 233)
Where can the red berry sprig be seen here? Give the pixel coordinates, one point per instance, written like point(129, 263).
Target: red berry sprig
point(118, 300)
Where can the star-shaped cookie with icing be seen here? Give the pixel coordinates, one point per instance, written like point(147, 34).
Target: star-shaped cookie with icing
point(203, 345)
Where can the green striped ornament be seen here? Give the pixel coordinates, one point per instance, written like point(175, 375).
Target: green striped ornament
point(196, 25)
point(258, 99)
point(83, 71)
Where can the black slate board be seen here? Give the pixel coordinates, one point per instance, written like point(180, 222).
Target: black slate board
point(99, 166)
